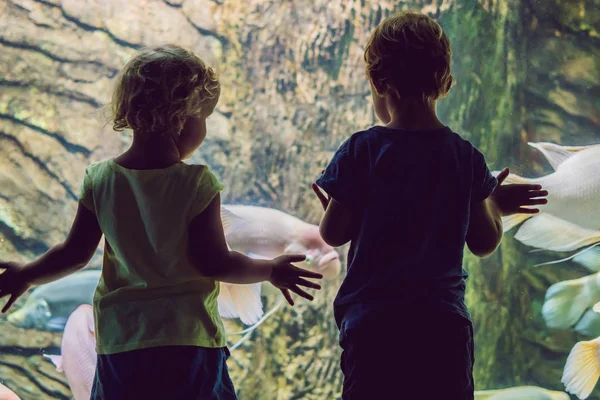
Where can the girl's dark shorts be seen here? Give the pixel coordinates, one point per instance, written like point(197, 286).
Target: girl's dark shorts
point(386, 357)
point(169, 372)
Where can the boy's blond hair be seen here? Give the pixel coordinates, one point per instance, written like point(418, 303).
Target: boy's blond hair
point(159, 88)
point(408, 56)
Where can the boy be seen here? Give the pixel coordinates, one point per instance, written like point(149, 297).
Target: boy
point(409, 195)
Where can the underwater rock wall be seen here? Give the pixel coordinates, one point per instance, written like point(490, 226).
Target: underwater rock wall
point(293, 90)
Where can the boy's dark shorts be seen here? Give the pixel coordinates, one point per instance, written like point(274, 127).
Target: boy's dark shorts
point(169, 372)
point(388, 357)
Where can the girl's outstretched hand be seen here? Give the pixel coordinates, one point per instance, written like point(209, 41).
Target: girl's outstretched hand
point(514, 198)
point(13, 282)
point(285, 276)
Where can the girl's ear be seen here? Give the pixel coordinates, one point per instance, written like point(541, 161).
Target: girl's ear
point(376, 88)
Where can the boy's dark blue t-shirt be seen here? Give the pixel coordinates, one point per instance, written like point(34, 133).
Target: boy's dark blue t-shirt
point(411, 193)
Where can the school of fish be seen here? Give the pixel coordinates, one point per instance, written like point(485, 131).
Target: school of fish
point(569, 222)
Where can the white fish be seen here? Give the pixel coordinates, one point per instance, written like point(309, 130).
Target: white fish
point(567, 301)
point(265, 233)
point(78, 354)
point(582, 368)
point(589, 324)
point(571, 218)
point(521, 393)
point(7, 394)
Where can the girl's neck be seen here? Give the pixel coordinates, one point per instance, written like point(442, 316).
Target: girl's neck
point(157, 153)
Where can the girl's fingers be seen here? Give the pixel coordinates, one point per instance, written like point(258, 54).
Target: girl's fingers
point(304, 282)
point(288, 296)
point(301, 293)
point(308, 274)
point(9, 304)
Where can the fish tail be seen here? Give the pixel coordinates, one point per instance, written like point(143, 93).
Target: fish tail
point(565, 303)
point(56, 360)
point(240, 301)
point(582, 369)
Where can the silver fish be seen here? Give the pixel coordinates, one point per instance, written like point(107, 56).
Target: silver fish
point(571, 218)
point(48, 306)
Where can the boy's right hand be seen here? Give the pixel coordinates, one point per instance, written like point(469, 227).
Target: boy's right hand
point(285, 276)
point(513, 198)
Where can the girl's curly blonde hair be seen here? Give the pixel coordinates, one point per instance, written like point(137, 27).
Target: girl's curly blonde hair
point(408, 56)
point(159, 88)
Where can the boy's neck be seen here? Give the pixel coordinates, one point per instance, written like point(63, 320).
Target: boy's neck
point(413, 115)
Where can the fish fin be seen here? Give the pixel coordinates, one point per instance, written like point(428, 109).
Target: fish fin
point(582, 369)
point(231, 221)
point(589, 324)
point(241, 301)
point(589, 265)
point(565, 303)
point(556, 154)
point(545, 231)
point(56, 360)
point(513, 220)
point(589, 258)
point(225, 304)
point(57, 323)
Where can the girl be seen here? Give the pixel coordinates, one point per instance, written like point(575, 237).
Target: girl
point(158, 331)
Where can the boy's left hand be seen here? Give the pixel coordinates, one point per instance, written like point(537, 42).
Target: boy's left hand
point(13, 282)
point(517, 198)
point(324, 198)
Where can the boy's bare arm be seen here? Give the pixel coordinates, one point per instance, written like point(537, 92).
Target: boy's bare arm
point(485, 224)
point(337, 226)
point(485, 228)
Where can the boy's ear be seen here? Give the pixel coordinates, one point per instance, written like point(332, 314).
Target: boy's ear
point(449, 84)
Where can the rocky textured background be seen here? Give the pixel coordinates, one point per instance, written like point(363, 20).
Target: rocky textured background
point(293, 90)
